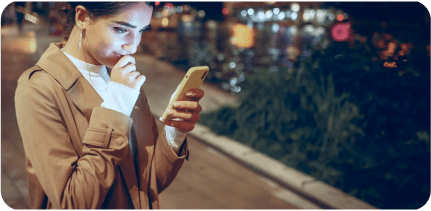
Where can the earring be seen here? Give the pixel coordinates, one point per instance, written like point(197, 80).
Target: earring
point(79, 44)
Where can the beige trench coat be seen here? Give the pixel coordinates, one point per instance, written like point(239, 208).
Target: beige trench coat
point(78, 153)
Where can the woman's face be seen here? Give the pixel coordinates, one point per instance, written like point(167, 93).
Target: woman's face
point(109, 38)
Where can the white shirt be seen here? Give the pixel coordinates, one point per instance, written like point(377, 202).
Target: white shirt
point(118, 97)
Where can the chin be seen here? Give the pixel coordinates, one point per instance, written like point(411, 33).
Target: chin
point(110, 62)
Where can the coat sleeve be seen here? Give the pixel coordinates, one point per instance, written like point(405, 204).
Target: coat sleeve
point(67, 180)
point(165, 161)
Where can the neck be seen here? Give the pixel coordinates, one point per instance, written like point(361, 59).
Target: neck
point(71, 47)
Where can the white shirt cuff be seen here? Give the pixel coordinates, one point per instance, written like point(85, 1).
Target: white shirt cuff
point(121, 98)
point(174, 137)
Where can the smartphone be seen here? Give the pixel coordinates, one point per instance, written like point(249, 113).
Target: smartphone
point(193, 79)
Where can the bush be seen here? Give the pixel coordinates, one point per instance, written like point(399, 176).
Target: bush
point(365, 133)
point(295, 119)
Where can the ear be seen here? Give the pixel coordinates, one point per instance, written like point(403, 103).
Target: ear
point(81, 17)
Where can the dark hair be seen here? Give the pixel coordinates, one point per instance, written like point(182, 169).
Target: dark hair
point(95, 10)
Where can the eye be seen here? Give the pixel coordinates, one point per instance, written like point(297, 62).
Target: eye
point(145, 29)
point(120, 30)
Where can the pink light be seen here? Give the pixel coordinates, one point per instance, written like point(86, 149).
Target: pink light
point(340, 17)
point(225, 11)
point(340, 32)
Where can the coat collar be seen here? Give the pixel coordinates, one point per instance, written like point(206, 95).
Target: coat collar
point(68, 76)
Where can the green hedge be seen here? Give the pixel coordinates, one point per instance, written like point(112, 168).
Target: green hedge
point(344, 120)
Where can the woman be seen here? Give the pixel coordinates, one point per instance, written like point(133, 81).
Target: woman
point(89, 136)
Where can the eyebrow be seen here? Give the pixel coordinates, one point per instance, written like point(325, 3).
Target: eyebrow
point(130, 25)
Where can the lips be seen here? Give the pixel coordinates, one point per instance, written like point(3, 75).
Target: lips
point(118, 56)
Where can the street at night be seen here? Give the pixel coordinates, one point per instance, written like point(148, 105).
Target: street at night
point(307, 105)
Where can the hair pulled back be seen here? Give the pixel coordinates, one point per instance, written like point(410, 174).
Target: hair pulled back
point(95, 10)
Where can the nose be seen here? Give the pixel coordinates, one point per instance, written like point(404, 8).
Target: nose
point(131, 45)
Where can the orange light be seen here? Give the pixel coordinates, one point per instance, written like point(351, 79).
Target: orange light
point(157, 3)
point(340, 17)
point(225, 11)
point(243, 36)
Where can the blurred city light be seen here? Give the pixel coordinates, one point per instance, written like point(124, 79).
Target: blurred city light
point(158, 14)
point(276, 11)
point(250, 24)
point(157, 3)
point(165, 22)
point(243, 36)
point(295, 7)
point(341, 31)
point(250, 11)
point(309, 15)
point(31, 18)
point(179, 9)
point(281, 16)
point(275, 27)
point(243, 13)
point(261, 15)
point(186, 7)
point(225, 11)
point(293, 30)
point(20, 44)
point(166, 13)
point(268, 14)
point(294, 16)
point(201, 13)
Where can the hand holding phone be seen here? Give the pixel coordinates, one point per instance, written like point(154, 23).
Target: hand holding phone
point(183, 109)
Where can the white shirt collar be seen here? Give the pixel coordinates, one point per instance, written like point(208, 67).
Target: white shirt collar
point(81, 65)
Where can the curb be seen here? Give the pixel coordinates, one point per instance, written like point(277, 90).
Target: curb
point(317, 192)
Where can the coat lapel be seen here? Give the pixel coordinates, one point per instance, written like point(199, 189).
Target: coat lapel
point(64, 71)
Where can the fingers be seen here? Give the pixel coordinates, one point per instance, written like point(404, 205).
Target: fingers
point(124, 61)
point(195, 94)
point(124, 72)
point(139, 82)
point(184, 115)
point(132, 75)
point(128, 69)
point(187, 105)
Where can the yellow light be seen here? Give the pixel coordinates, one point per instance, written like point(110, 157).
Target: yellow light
point(243, 36)
point(165, 22)
point(295, 7)
point(165, 13)
point(186, 18)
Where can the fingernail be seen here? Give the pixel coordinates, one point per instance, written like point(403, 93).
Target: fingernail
point(176, 104)
point(170, 111)
point(189, 94)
